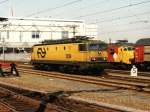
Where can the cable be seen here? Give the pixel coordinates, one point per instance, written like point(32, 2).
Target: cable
point(3, 1)
point(97, 3)
point(49, 9)
point(87, 6)
point(127, 30)
point(119, 18)
point(110, 10)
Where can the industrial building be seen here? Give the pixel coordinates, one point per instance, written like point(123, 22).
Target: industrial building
point(18, 32)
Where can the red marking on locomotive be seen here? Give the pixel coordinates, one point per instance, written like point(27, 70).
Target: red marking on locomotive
point(111, 51)
point(139, 53)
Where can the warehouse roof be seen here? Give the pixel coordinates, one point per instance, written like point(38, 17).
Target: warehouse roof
point(41, 19)
point(3, 19)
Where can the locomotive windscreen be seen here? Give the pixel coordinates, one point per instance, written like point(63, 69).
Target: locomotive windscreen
point(94, 47)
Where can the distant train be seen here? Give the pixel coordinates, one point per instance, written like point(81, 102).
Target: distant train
point(79, 54)
point(142, 53)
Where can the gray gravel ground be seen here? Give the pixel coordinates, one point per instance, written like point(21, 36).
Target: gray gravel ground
point(89, 92)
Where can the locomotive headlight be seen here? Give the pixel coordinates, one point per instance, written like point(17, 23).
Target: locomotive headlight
point(104, 58)
point(99, 52)
point(93, 59)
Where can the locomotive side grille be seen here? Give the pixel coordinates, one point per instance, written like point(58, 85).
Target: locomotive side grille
point(146, 49)
point(146, 53)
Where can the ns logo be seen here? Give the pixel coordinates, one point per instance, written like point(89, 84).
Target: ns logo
point(41, 52)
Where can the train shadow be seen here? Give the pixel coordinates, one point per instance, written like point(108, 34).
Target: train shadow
point(86, 72)
point(54, 96)
point(82, 72)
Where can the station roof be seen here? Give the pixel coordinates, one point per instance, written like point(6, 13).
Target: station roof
point(40, 19)
point(3, 19)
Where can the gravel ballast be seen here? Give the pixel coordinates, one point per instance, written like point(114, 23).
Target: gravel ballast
point(89, 92)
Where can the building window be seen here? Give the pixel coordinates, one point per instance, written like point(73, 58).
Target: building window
point(64, 34)
point(35, 34)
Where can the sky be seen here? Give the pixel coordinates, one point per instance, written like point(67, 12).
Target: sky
point(116, 19)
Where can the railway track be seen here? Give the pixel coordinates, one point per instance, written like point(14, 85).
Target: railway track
point(122, 72)
point(117, 81)
point(12, 101)
point(126, 72)
point(75, 105)
point(51, 102)
point(15, 103)
point(4, 108)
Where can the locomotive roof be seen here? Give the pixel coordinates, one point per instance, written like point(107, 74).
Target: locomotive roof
point(144, 41)
point(81, 39)
point(124, 44)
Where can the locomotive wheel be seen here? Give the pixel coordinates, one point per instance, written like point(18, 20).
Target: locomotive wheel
point(148, 67)
point(37, 67)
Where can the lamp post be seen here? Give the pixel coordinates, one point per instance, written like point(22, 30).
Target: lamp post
point(3, 44)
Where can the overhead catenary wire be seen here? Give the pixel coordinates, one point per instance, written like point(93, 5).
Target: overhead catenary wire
point(127, 30)
point(120, 18)
point(50, 9)
point(97, 3)
point(114, 9)
point(129, 24)
point(87, 6)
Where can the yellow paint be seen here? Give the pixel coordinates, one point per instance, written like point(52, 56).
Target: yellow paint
point(124, 54)
point(65, 52)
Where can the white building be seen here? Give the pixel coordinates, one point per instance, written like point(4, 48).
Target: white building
point(25, 32)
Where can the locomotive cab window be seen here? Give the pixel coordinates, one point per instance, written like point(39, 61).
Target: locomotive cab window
point(125, 49)
point(130, 48)
point(112, 51)
point(93, 47)
point(82, 47)
point(102, 47)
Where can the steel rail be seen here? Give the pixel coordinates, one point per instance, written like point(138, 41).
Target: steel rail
point(91, 80)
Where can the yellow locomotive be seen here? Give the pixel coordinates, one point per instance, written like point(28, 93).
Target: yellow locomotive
point(69, 54)
point(121, 54)
point(80, 53)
